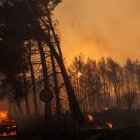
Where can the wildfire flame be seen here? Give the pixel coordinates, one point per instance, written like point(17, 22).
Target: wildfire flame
point(4, 116)
point(90, 118)
point(7, 125)
point(109, 124)
point(12, 133)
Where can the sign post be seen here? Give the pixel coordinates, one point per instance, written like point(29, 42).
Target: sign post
point(46, 96)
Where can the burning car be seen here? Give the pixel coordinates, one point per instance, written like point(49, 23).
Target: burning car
point(7, 125)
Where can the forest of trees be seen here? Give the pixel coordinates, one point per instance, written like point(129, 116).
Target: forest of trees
point(31, 59)
point(105, 84)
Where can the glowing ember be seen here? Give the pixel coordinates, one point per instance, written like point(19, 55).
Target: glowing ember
point(109, 124)
point(106, 108)
point(90, 118)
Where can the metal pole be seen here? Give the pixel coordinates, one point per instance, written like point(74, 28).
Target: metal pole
point(46, 121)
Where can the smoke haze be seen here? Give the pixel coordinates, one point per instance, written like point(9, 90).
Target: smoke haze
point(100, 28)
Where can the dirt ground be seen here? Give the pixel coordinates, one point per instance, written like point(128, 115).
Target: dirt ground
point(126, 126)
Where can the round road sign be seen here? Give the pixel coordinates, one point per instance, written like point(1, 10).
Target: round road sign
point(46, 95)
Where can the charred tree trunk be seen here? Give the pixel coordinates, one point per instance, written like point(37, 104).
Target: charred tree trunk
point(75, 109)
point(16, 98)
point(45, 74)
point(33, 81)
point(18, 103)
point(14, 108)
point(26, 91)
point(56, 88)
point(9, 107)
point(54, 34)
point(74, 106)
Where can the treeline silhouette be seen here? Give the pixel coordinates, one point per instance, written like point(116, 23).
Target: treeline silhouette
point(105, 84)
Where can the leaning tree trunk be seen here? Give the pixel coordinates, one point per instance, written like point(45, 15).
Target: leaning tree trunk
point(56, 88)
point(74, 106)
point(45, 75)
point(33, 81)
point(54, 34)
point(55, 78)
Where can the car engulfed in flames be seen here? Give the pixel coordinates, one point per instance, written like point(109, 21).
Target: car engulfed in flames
point(7, 125)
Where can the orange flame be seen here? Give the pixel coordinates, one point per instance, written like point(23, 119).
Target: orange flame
point(3, 116)
point(7, 126)
point(109, 124)
point(90, 118)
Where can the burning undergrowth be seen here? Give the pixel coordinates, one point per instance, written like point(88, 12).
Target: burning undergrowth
point(106, 121)
point(95, 123)
point(113, 118)
point(7, 125)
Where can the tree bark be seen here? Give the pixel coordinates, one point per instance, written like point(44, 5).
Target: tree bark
point(45, 75)
point(74, 106)
point(56, 87)
point(26, 92)
point(33, 82)
point(19, 107)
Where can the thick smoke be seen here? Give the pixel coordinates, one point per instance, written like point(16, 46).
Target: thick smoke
point(100, 28)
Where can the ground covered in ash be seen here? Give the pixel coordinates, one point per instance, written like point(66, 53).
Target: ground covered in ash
point(126, 126)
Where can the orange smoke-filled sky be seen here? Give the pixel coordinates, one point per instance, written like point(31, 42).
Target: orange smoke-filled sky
point(109, 28)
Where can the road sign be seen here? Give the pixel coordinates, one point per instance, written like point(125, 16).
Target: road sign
point(46, 95)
